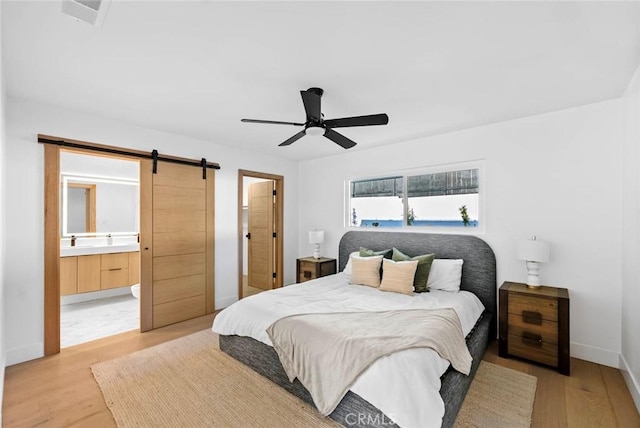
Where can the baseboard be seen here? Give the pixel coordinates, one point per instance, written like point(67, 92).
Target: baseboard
point(94, 295)
point(25, 353)
point(595, 355)
point(226, 301)
point(632, 382)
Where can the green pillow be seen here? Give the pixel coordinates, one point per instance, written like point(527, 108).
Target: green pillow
point(422, 272)
point(386, 254)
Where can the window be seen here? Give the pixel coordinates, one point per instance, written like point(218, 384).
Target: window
point(446, 197)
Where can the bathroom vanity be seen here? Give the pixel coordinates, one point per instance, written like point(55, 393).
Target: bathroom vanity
point(99, 233)
point(85, 269)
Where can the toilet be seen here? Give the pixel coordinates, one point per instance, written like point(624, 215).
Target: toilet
point(135, 290)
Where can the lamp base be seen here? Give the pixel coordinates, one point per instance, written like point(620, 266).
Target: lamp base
point(533, 274)
point(316, 251)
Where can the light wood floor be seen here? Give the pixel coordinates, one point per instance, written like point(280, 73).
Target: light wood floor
point(593, 396)
point(60, 390)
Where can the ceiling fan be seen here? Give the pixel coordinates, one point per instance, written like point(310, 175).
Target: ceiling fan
point(316, 125)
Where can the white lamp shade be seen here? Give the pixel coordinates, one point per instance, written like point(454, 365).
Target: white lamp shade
point(534, 251)
point(316, 237)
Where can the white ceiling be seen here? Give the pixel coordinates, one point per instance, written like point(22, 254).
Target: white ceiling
point(196, 68)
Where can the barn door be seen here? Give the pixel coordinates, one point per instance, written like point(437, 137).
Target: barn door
point(261, 262)
point(176, 243)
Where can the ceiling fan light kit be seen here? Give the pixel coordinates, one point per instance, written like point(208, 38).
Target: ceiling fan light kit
point(316, 125)
point(315, 131)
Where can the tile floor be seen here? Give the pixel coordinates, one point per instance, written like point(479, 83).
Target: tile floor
point(86, 321)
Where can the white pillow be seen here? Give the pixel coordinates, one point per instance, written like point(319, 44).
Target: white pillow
point(348, 267)
point(445, 274)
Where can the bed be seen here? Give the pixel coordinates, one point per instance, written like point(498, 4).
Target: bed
point(242, 339)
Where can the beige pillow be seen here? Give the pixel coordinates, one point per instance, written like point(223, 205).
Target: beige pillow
point(366, 271)
point(398, 276)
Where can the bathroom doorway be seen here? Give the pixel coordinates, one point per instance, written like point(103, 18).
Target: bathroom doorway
point(260, 232)
point(99, 246)
point(164, 236)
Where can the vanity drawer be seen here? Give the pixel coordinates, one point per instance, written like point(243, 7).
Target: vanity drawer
point(114, 261)
point(114, 278)
point(114, 270)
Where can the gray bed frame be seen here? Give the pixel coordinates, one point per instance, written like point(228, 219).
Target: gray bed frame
point(478, 276)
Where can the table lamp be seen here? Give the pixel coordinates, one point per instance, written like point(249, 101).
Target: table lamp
point(316, 237)
point(533, 252)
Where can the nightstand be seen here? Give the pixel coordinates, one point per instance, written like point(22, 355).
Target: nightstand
point(310, 268)
point(534, 324)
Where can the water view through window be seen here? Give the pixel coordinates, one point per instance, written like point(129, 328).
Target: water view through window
point(441, 199)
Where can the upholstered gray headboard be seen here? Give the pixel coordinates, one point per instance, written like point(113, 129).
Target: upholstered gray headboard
point(478, 269)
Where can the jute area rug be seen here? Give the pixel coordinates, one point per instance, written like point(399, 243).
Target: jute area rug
point(188, 382)
point(498, 397)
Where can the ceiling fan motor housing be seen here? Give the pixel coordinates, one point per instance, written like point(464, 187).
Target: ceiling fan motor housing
point(317, 91)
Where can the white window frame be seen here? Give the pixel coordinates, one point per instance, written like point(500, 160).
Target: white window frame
point(432, 169)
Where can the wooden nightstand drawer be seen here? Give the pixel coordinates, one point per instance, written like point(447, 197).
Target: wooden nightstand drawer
point(307, 271)
point(547, 309)
point(532, 347)
point(309, 268)
point(534, 324)
point(547, 330)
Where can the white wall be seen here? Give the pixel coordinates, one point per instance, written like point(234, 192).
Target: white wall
point(25, 206)
point(3, 140)
point(81, 164)
point(630, 357)
point(556, 176)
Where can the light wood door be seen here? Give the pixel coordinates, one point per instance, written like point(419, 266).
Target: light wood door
point(261, 263)
point(177, 243)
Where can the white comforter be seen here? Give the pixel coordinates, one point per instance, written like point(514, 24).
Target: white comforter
point(405, 385)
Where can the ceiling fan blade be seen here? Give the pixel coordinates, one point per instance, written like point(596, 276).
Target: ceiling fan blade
point(276, 122)
point(339, 139)
point(372, 119)
point(293, 139)
point(311, 101)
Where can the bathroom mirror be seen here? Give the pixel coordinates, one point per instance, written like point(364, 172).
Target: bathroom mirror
point(95, 205)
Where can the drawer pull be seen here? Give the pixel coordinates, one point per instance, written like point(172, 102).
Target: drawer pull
point(307, 274)
point(530, 317)
point(115, 269)
point(532, 339)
